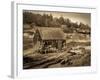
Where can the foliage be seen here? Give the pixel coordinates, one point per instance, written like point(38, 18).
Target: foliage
point(47, 20)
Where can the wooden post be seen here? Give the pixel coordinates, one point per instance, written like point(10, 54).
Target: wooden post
point(59, 45)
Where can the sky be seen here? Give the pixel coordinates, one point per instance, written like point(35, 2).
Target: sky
point(73, 16)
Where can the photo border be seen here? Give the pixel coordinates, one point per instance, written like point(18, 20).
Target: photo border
point(17, 51)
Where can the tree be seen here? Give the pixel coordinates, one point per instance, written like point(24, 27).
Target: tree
point(28, 17)
point(68, 22)
point(61, 20)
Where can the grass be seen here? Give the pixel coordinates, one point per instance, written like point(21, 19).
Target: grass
point(34, 60)
point(65, 59)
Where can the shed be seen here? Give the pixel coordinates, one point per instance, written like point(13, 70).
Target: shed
point(50, 37)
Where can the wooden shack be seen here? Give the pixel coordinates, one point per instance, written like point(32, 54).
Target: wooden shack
point(49, 38)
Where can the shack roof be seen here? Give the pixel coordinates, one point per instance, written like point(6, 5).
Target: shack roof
point(51, 33)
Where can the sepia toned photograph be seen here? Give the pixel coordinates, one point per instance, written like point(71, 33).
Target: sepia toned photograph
point(54, 39)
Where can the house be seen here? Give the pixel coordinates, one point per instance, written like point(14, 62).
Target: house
point(84, 30)
point(49, 38)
